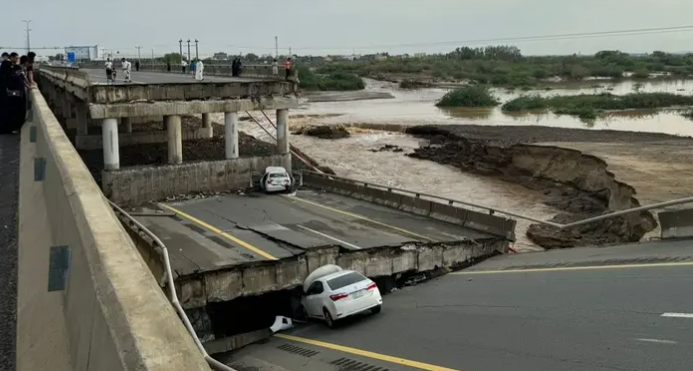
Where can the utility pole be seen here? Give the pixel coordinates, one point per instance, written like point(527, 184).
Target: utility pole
point(189, 51)
point(181, 51)
point(139, 55)
point(276, 47)
point(152, 55)
point(28, 37)
point(290, 55)
point(197, 54)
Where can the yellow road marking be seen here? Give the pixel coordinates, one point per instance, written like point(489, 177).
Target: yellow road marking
point(362, 218)
point(593, 267)
point(365, 353)
point(220, 232)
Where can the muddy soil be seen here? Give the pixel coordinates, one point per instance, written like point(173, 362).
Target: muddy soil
point(193, 150)
point(323, 132)
point(577, 183)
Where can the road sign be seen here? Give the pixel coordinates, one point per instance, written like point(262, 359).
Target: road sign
point(71, 57)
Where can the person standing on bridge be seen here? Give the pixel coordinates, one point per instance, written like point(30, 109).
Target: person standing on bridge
point(275, 68)
point(199, 70)
point(127, 69)
point(192, 68)
point(109, 71)
point(183, 65)
point(287, 67)
point(137, 66)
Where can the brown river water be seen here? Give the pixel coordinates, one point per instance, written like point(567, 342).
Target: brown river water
point(354, 157)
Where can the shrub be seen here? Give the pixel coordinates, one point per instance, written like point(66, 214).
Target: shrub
point(469, 96)
point(525, 103)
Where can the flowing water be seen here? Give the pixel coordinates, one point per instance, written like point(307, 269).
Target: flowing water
point(359, 156)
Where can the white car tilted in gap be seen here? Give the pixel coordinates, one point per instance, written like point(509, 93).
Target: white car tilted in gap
point(276, 179)
point(340, 294)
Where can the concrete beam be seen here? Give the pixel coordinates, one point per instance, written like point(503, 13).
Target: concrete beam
point(185, 108)
point(175, 139)
point(82, 118)
point(127, 124)
point(231, 134)
point(111, 150)
point(207, 125)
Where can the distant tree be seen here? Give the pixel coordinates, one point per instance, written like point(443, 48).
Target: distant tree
point(59, 57)
point(171, 58)
point(251, 57)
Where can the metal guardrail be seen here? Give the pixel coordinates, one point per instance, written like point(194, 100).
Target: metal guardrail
point(493, 210)
point(172, 289)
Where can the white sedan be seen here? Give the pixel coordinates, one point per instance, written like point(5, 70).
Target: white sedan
point(276, 179)
point(338, 295)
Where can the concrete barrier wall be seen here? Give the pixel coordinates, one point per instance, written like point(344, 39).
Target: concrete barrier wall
point(262, 71)
point(115, 314)
point(495, 225)
point(137, 185)
point(676, 223)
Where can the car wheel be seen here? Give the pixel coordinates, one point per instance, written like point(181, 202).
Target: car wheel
point(377, 309)
point(328, 318)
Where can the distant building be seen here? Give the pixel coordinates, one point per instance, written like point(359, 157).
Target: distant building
point(419, 55)
point(220, 56)
point(381, 57)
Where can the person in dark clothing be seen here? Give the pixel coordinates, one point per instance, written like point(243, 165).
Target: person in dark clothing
point(168, 66)
point(239, 67)
point(12, 95)
point(234, 65)
point(137, 65)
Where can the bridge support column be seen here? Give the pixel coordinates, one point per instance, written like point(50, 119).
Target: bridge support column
point(283, 131)
point(127, 124)
point(82, 118)
point(65, 107)
point(231, 134)
point(111, 154)
point(207, 125)
point(175, 139)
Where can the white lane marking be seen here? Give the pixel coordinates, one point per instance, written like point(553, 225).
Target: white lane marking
point(331, 238)
point(657, 341)
point(677, 315)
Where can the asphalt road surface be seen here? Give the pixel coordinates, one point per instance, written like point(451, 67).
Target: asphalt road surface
point(232, 229)
point(592, 318)
point(98, 76)
point(9, 180)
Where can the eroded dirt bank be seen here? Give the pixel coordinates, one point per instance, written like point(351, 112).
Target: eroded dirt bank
point(577, 183)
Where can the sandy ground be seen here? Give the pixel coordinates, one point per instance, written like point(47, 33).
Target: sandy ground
point(658, 170)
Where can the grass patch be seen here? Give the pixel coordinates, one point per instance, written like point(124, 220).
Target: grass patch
point(588, 105)
point(505, 66)
point(469, 96)
point(336, 81)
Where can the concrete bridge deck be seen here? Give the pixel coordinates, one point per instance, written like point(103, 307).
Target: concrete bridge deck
point(221, 232)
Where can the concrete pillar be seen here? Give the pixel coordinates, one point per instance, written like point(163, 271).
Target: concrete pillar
point(111, 154)
point(175, 139)
point(82, 118)
point(127, 124)
point(207, 126)
point(231, 134)
point(283, 131)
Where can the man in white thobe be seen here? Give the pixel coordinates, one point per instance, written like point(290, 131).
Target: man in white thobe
point(199, 71)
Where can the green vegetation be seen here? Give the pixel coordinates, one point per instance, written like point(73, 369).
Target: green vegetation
point(469, 96)
point(334, 81)
point(506, 66)
point(587, 105)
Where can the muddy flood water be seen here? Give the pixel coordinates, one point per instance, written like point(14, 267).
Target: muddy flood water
point(360, 156)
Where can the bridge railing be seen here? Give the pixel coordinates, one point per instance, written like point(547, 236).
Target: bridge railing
point(261, 71)
point(116, 315)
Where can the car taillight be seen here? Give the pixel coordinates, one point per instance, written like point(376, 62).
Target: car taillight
point(336, 297)
point(371, 286)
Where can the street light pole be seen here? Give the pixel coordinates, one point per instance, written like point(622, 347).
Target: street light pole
point(28, 37)
point(181, 51)
point(188, 50)
point(139, 55)
point(197, 54)
point(276, 47)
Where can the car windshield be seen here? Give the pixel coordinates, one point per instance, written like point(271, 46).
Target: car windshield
point(345, 280)
point(278, 175)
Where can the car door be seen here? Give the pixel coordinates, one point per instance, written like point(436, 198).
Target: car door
point(314, 299)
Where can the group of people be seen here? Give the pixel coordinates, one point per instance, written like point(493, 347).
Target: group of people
point(111, 72)
point(16, 77)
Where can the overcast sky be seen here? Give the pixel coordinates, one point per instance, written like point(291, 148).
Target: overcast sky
point(337, 27)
